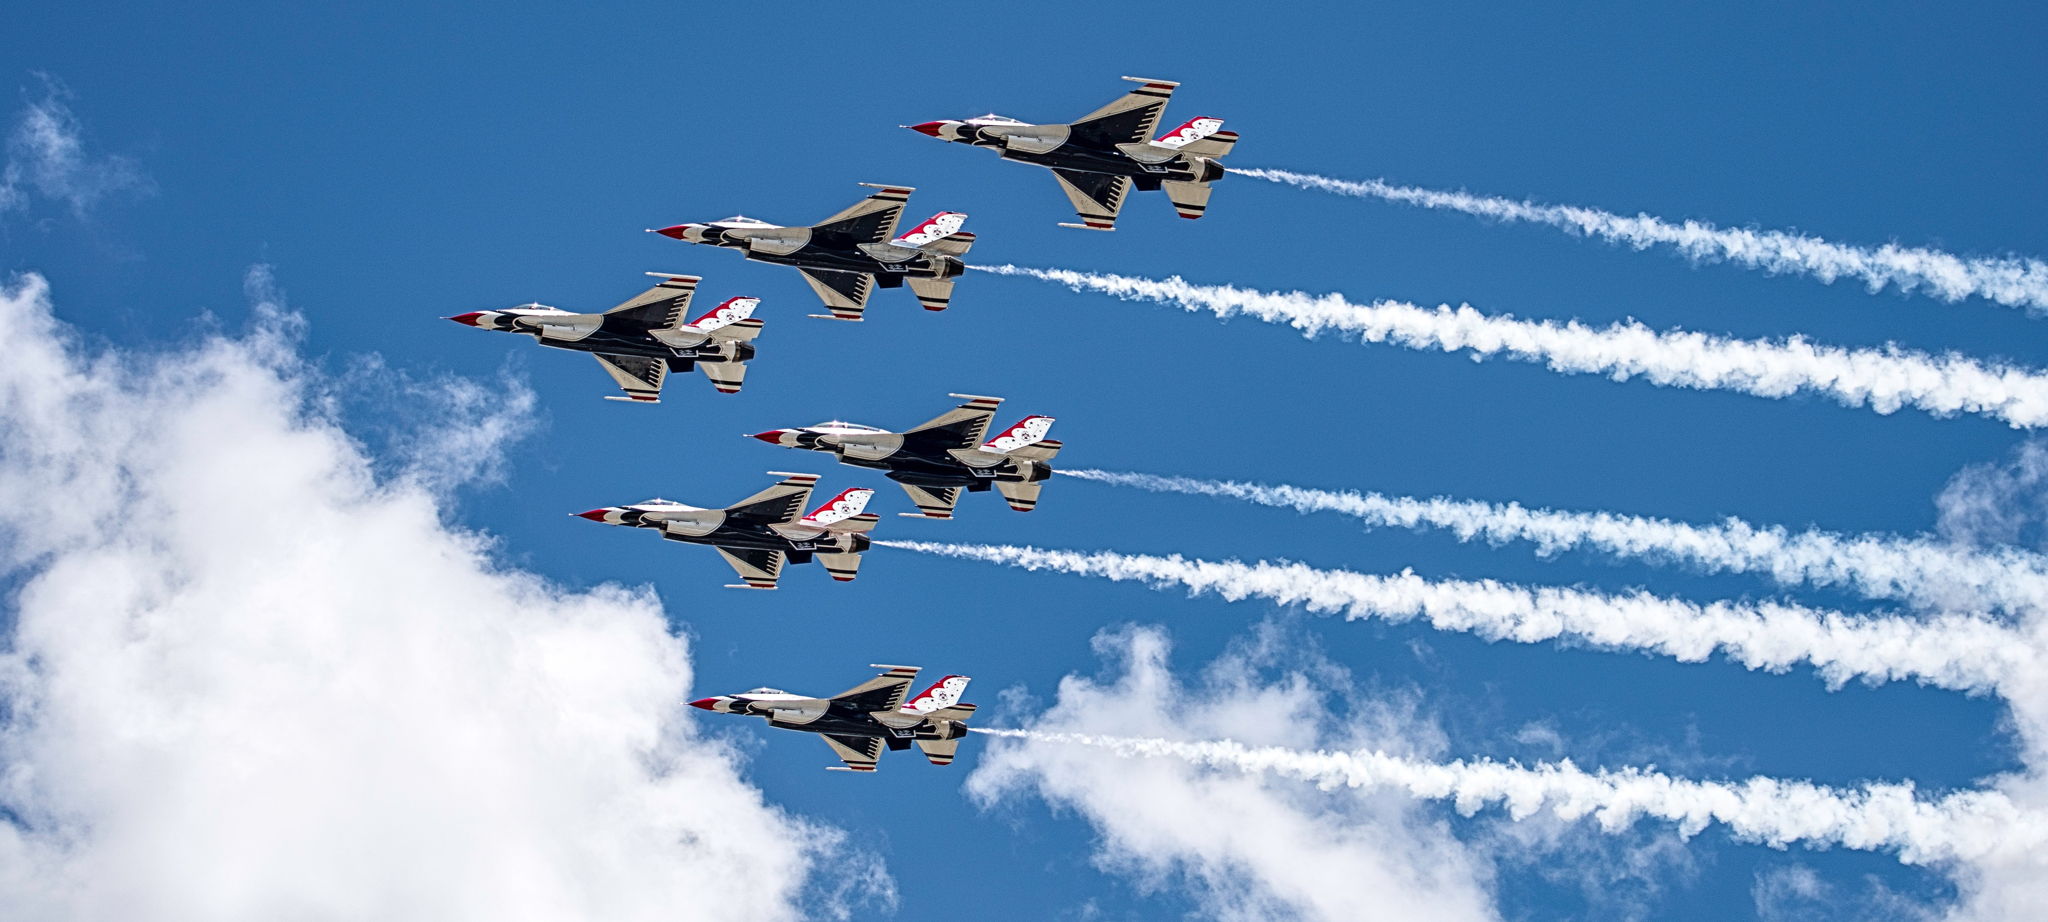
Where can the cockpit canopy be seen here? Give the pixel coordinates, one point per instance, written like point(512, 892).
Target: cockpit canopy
point(742, 219)
point(994, 119)
point(843, 424)
point(764, 690)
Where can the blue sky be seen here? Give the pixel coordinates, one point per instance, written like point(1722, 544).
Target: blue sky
point(395, 165)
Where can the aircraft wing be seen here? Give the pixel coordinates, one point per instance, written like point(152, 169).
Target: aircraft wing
point(961, 427)
point(932, 502)
point(871, 220)
point(757, 568)
point(1129, 118)
point(860, 753)
point(1097, 197)
point(884, 692)
point(780, 504)
point(641, 377)
point(845, 293)
point(662, 306)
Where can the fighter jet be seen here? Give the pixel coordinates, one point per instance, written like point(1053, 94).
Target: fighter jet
point(757, 535)
point(1098, 158)
point(858, 722)
point(938, 459)
point(848, 254)
point(642, 340)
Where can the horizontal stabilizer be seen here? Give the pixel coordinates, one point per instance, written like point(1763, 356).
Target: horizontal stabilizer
point(934, 294)
point(842, 567)
point(956, 245)
point(1043, 451)
point(725, 376)
point(940, 752)
point(1214, 147)
point(1190, 199)
point(958, 712)
point(1023, 497)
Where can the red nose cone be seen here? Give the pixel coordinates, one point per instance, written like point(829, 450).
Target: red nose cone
point(595, 515)
point(772, 436)
point(468, 319)
point(708, 704)
point(675, 232)
point(930, 128)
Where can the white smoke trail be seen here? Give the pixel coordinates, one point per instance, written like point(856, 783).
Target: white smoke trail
point(1886, 379)
point(1934, 574)
point(1949, 651)
point(2009, 280)
point(1958, 826)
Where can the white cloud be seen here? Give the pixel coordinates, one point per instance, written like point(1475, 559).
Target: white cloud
point(47, 159)
point(1247, 847)
point(245, 679)
point(1999, 503)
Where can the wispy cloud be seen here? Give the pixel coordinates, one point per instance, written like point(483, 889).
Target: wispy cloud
point(1241, 847)
point(47, 159)
point(1950, 651)
point(1776, 812)
point(1884, 379)
point(1930, 573)
point(245, 678)
point(2013, 281)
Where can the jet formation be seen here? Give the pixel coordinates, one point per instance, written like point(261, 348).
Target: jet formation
point(1097, 160)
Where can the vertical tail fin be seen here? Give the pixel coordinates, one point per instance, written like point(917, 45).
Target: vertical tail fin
point(1190, 131)
point(944, 693)
point(727, 313)
point(846, 505)
point(937, 227)
point(1027, 431)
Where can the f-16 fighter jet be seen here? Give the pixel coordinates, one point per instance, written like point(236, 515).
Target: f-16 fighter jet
point(1098, 158)
point(938, 459)
point(642, 340)
point(858, 722)
point(848, 254)
point(759, 534)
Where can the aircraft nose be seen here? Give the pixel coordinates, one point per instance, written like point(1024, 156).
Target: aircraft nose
point(774, 436)
point(595, 515)
point(470, 319)
point(677, 232)
point(708, 704)
point(927, 128)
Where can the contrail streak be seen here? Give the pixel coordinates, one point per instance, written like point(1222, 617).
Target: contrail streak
point(1933, 574)
point(1876, 817)
point(1949, 651)
point(2009, 280)
point(1885, 379)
